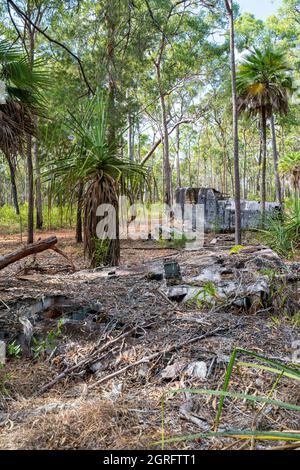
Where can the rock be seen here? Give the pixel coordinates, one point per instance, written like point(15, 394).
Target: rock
point(177, 294)
point(172, 371)
point(96, 366)
point(143, 370)
point(2, 353)
point(115, 391)
point(155, 271)
point(172, 271)
point(196, 369)
point(214, 241)
point(155, 276)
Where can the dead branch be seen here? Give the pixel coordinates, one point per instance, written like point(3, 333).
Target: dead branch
point(32, 249)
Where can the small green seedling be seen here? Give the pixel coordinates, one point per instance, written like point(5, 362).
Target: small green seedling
point(236, 249)
point(14, 349)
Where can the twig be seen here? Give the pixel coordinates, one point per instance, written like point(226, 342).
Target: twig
point(157, 354)
point(295, 445)
point(60, 252)
point(83, 362)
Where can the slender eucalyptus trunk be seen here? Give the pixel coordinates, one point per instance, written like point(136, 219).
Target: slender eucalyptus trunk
point(245, 167)
point(275, 157)
point(38, 186)
point(237, 195)
point(79, 238)
point(263, 163)
point(30, 190)
point(30, 177)
point(13, 185)
point(198, 164)
point(178, 175)
point(166, 150)
point(130, 138)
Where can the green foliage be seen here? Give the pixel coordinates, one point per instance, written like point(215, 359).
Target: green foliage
point(264, 81)
point(14, 349)
point(236, 249)
point(283, 230)
point(101, 251)
point(278, 368)
point(175, 241)
point(205, 295)
point(42, 346)
point(92, 156)
point(55, 217)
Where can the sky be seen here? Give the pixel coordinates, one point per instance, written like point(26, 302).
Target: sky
point(260, 8)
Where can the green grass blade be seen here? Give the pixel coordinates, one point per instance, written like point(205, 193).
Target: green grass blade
point(254, 365)
point(243, 396)
point(225, 386)
point(258, 435)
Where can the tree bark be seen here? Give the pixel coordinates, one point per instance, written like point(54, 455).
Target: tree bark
point(79, 238)
point(275, 157)
point(13, 185)
point(30, 190)
point(165, 141)
point(237, 195)
point(28, 250)
point(263, 163)
point(178, 175)
point(38, 186)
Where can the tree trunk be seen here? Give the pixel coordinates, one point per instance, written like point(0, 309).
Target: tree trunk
point(237, 195)
point(79, 238)
point(166, 151)
point(275, 156)
point(38, 186)
point(13, 185)
point(31, 249)
point(245, 167)
point(30, 190)
point(130, 138)
point(178, 175)
point(198, 164)
point(263, 163)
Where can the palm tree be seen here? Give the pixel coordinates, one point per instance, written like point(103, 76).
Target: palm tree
point(96, 165)
point(264, 83)
point(20, 101)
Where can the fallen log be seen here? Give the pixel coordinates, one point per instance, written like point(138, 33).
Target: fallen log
point(32, 249)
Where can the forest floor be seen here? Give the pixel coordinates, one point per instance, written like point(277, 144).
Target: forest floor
point(97, 381)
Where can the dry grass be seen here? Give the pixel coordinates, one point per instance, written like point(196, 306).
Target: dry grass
point(93, 424)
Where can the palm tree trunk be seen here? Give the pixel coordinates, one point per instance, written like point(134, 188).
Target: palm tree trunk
point(263, 163)
point(275, 156)
point(237, 195)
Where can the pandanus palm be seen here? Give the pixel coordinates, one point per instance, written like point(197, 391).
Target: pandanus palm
point(264, 83)
point(96, 165)
point(20, 101)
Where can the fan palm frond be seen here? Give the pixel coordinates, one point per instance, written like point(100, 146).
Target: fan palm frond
point(264, 81)
point(23, 98)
